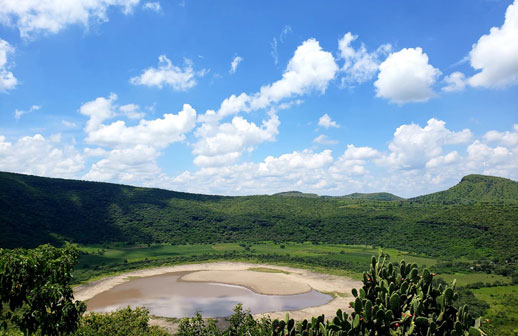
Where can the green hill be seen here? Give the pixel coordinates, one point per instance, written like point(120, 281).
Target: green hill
point(475, 188)
point(36, 210)
point(379, 196)
point(296, 194)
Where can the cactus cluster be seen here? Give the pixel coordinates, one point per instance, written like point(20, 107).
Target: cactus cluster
point(395, 299)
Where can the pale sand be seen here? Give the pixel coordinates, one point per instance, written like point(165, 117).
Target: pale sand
point(297, 281)
point(259, 282)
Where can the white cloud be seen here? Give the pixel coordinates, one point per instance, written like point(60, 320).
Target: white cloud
point(153, 6)
point(326, 122)
point(68, 124)
point(495, 54)
point(169, 74)
point(406, 76)
point(7, 79)
point(322, 139)
point(413, 146)
point(360, 153)
point(310, 69)
point(275, 43)
point(130, 152)
point(235, 62)
point(98, 110)
point(360, 65)
point(297, 170)
point(133, 165)
point(225, 142)
point(454, 82)
point(156, 133)
point(443, 160)
point(45, 16)
point(37, 155)
point(18, 113)
point(352, 162)
point(504, 138)
point(132, 111)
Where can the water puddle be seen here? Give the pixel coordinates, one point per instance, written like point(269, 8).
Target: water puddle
point(167, 295)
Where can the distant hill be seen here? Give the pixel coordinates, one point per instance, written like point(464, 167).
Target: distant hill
point(379, 196)
point(296, 194)
point(475, 188)
point(36, 210)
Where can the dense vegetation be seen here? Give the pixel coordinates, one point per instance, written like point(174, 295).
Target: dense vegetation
point(468, 233)
point(395, 299)
point(481, 225)
point(35, 290)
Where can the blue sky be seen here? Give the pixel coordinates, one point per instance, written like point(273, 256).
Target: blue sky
point(236, 98)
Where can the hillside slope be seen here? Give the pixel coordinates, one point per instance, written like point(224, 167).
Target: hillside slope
point(475, 188)
point(379, 196)
point(36, 210)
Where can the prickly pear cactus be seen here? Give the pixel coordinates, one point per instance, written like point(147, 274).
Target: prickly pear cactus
point(395, 299)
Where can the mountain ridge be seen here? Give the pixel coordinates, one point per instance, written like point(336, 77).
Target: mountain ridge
point(36, 210)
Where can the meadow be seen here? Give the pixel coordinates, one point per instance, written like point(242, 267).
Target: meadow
point(97, 261)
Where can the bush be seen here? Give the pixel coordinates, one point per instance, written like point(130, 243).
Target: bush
point(122, 322)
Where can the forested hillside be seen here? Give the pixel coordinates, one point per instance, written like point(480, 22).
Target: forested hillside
point(36, 210)
point(475, 188)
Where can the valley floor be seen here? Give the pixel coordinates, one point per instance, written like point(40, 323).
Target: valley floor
point(263, 279)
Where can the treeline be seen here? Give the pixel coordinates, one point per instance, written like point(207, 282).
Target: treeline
point(35, 210)
point(85, 272)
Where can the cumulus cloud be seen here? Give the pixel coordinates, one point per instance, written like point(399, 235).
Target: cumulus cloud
point(153, 6)
point(495, 54)
point(454, 82)
point(296, 170)
point(326, 122)
point(506, 138)
point(235, 62)
point(413, 146)
point(7, 79)
point(353, 161)
point(309, 70)
point(18, 113)
point(156, 133)
point(98, 110)
point(130, 151)
point(224, 143)
point(168, 74)
point(134, 165)
point(132, 111)
point(37, 155)
point(406, 76)
point(34, 16)
point(359, 65)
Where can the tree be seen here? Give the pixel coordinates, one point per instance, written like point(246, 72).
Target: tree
point(35, 290)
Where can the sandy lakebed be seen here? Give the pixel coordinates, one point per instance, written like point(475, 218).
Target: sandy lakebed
point(279, 281)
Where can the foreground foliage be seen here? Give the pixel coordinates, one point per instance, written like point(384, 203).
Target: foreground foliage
point(35, 290)
point(395, 299)
point(123, 322)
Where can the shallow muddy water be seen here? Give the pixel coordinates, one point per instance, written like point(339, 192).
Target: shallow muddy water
point(167, 295)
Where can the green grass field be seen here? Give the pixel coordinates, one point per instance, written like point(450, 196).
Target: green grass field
point(98, 261)
point(464, 279)
point(502, 317)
